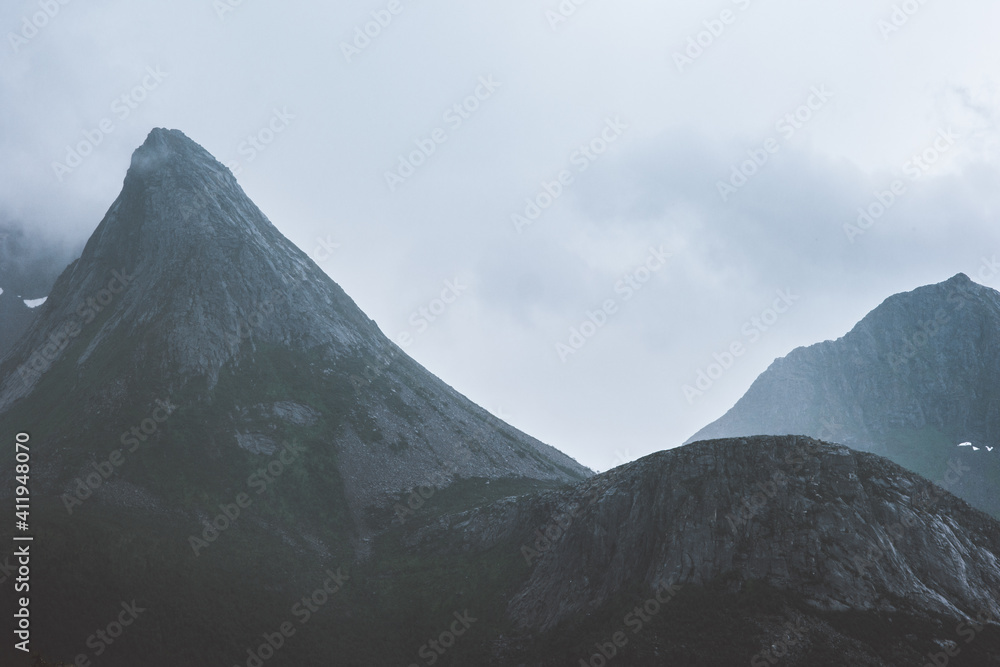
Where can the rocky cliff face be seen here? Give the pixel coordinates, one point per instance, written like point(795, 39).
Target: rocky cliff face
point(913, 380)
point(834, 534)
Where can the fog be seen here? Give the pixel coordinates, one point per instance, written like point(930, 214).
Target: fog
point(747, 174)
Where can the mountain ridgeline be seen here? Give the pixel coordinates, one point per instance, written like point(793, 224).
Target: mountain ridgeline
point(231, 465)
point(913, 380)
point(186, 293)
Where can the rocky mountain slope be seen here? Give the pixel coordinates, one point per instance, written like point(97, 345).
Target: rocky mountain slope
point(230, 456)
point(916, 378)
point(760, 551)
point(187, 293)
point(737, 538)
point(194, 373)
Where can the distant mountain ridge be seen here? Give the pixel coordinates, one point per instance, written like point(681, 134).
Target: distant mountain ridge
point(911, 381)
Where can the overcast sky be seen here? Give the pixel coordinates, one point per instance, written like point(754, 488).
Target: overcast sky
point(829, 102)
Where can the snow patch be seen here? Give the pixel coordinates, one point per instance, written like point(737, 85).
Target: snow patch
point(35, 303)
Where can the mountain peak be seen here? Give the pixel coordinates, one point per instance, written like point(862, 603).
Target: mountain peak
point(924, 302)
point(913, 379)
point(204, 262)
point(187, 290)
point(958, 279)
point(161, 136)
point(162, 144)
point(169, 158)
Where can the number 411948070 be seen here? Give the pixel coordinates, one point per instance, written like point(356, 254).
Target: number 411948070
point(23, 472)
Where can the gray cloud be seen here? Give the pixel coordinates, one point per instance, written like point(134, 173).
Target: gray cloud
point(322, 177)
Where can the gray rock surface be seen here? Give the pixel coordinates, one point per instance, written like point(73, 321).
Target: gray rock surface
point(914, 379)
point(845, 530)
point(185, 281)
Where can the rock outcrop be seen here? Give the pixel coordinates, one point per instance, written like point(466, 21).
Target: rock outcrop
point(838, 531)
